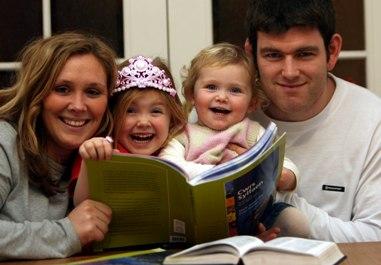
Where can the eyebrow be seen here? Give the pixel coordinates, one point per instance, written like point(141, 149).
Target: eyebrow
point(303, 48)
point(69, 82)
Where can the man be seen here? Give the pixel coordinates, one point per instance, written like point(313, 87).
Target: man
point(333, 127)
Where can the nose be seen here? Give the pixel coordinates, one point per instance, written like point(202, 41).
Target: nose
point(143, 121)
point(77, 103)
point(221, 95)
point(290, 68)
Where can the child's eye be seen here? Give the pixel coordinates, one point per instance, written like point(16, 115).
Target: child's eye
point(211, 87)
point(61, 89)
point(235, 90)
point(131, 110)
point(157, 111)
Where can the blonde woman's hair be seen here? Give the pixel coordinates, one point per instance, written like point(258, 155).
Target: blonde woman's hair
point(121, 101)
point(21, 105)
point(218, 55)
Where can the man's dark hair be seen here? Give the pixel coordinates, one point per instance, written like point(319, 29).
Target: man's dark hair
point(278, 16)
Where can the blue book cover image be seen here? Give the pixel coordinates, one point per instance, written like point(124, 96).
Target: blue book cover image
point(248, 196)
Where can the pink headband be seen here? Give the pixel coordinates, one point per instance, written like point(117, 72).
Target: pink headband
point(141, 73)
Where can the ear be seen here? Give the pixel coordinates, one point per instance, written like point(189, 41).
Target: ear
point(248, 48)
point(334, 49)
point(254, 104)
point(191, 99)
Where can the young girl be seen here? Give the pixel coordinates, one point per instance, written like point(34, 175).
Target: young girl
point(147, 113)
point(220, 86)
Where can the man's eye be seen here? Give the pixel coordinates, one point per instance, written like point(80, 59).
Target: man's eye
point(211, 87)
point(61, 89)
point(272, 55)
point(305, 54)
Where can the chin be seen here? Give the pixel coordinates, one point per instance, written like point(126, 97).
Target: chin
point(73, 144)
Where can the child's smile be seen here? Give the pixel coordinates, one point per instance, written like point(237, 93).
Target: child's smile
point(146, 124)
point(222, 95)
point(142, 137)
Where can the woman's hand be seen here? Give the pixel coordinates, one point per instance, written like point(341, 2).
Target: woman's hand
point(90, 220)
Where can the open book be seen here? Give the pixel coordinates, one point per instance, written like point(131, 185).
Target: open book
point(152, 202)
point(251, 250)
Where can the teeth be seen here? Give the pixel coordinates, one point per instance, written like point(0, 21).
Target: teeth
point(142, 137)
point(74, 123)
point(220, 110)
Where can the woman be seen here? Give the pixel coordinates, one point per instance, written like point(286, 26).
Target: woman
point(59, 100)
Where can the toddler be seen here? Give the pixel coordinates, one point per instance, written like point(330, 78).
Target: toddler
point(220, 86)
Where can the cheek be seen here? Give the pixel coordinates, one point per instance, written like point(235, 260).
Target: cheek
point(53, 103)
point(200, 99)
point(128, 125)
point(243, 109)
point(98, 108)
point(163, 126)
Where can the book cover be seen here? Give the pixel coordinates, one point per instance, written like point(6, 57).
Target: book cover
point(153, 203)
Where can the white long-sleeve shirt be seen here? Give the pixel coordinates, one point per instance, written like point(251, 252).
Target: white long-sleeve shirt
point(338, 153)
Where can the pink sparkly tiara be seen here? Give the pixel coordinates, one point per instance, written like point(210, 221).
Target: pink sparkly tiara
point(142, 73)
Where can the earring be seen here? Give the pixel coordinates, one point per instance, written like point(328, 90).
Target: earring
point(257, 81)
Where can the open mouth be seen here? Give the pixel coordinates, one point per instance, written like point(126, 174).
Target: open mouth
point(220, 111)
point(74, 123)
point(142, 138)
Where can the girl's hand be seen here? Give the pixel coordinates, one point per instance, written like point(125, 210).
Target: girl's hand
point(269, 234)
point(90, 220)
point(236, 148)
point(287, 181)
point(97, 148)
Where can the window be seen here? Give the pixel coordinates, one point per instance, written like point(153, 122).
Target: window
point(229, 25)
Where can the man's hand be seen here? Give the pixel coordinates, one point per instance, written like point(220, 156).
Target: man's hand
point(269, 234)
point(287, 181)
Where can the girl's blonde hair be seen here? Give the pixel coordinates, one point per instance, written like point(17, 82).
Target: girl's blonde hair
point(121, 101)
point(218, 55)
point(21, 105)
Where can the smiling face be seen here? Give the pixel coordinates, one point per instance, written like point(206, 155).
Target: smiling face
point(222, 95)
point(293, 68)
point(73, 110)
point(146, 123)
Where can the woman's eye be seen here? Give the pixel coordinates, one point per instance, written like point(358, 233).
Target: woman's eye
point(93, 92)
point(61, 89)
